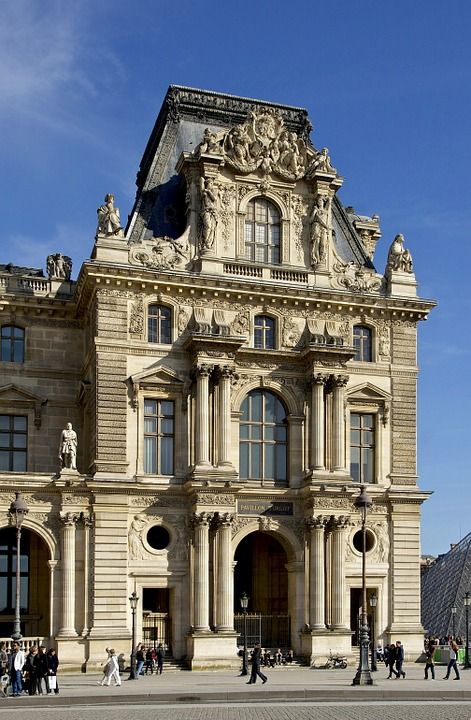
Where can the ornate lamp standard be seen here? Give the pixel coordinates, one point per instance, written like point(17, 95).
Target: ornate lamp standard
point(467, 603)
point(373, 604)
point(363, 675)
point(453, 615)
point(18, 511)
point(244, 602)
point(133, 600)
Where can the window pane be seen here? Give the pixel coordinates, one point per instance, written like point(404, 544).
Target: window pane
point(3, 563)
point(270, 433)
point(270, 407)
point(18, 351)
point(368, 459)
point(244, 432)
point(280, 458)
point(24, 593)
point(244, 461)
point(256, 406)
point(281, 433)
point(150, 456)
point(4, 460)
point(166, 407)
point(255, 432)
point(150, 425)
point(355, 464)
point(166, 447)
point(167, 426)
point(269, 469)
point(19, 441)
point(4, 440)
point(150, 407)
point(256, 465)
point(19, 461)
point(355, 437)
point(355, 420)
point(244, 409)
point(19, 423)
point(3, 594)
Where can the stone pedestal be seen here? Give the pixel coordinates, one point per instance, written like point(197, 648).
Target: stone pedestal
point(213, 651)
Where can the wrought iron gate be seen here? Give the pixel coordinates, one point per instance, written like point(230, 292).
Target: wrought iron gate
point(156, 628)
point(271, 631)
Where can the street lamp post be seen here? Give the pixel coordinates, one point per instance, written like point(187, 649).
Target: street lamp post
point(373, 604)
point(467, 603)
point(18, 511)
point(133, 600)
point(453, 615)
point(244, 602)
point(363, 674)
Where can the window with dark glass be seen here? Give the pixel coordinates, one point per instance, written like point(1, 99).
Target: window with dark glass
point(264, 332)
point(159, 436)
point(362, 447)
point(13, 344)
point(13, 442)
point(362, 342)
point(263, 437)
point(159, 328)
point(262, 232)
point(8, 570)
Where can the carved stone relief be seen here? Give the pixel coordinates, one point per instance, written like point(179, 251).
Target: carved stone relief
point(291, 332)
point(299, 209)
point(161, 253)
point(355, 278)
point(136, 548)
point(136, 319)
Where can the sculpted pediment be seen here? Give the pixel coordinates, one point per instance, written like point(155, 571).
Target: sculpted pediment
point(368, 392)
point(162, 253)
point(14, 396)
point(157, 375)
point(263, 143)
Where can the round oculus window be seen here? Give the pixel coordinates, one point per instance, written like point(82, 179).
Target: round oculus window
point(358, 541)
point(158, 537)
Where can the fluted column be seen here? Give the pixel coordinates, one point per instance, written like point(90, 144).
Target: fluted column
point(87, 524)
point(69, 521)
point(201, 571)
point(225, 582)
point(316, 526)
point(339, 610)
point(318, 422)
point(225, 376)
point(338, 422)
point(202, 414)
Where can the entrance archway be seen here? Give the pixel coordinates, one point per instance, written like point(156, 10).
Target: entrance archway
point(34, 583)
point(261, 572)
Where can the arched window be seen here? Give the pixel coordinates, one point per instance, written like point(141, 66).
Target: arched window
point(262, 231)
point(263, 437)
point(264, 332)
point(362, 342)
point(13, 344)
point(159, 324)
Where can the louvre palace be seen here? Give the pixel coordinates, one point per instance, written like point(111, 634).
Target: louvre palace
point(192, 416)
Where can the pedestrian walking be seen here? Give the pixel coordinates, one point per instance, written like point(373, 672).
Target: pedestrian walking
point(452, 663)
point(430, 659)
point(390, 660)
point(160, 654)
point(140, 660)
point(256, 661)
point(111, 670)
point(399, 659)
point(52, 665)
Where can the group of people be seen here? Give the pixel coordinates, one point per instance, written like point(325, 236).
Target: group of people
point(148, 660)
point(431, 646)
point(394, 659)
point(27, 672)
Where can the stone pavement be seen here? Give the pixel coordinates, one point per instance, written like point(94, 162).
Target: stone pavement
point(284, 684)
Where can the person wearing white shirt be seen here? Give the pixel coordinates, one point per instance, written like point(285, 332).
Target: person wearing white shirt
point(17, 660)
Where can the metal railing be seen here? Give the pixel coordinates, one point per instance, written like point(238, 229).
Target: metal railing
point(271, 631)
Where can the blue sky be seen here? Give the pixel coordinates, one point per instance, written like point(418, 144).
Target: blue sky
point(387, 85)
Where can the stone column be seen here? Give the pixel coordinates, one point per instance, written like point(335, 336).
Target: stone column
point(225, 581)
point(201, 571)
point(202, 414)
point(339, 614)
point(316, 526)
point(318, 422)
point(225, 376)
point(87, 524)
point(338, 422)
point(69, 521)
point(52, 593)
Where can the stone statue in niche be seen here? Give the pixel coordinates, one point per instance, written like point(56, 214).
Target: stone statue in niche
point(59, 266)
point(320, 230)
point(109, 221)
point(136, 548)
point(209, 213)
point(68, 448)
point(399, 259)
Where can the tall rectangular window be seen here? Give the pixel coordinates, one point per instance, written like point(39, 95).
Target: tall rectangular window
point(8, 570)
point(362, 447)
point(159, 436)
point(12, 344)
point(13, 442)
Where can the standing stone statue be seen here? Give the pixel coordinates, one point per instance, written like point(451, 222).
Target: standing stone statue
point(109, 221)
point(399, 258)
point(68, 448)
point(209, 217)
point(59, 266)
point(320, 230)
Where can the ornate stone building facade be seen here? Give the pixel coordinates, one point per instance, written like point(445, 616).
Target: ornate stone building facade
point(234, 366)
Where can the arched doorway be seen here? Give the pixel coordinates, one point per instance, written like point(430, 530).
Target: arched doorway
point(34, 583)
point(261, 573)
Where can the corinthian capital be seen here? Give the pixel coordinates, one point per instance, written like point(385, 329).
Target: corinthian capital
point(340, 380)
point(69, 519)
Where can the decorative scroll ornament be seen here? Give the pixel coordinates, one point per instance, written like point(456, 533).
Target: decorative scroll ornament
point(262, 143)
point(355, 278)
point(161, 253)
point(136, 320)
